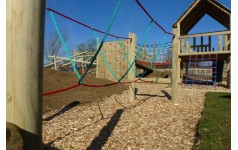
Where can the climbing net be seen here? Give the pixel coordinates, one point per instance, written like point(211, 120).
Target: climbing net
point(99, 50)
point(203, 71)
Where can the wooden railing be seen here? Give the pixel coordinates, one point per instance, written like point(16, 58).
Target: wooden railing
point(216, 42)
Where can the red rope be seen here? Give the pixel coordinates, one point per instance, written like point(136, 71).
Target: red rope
point(147, 13)
point(61, 90)
point(87, 26)
point(91, 85)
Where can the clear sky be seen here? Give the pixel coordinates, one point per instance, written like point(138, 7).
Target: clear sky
point(130, 18)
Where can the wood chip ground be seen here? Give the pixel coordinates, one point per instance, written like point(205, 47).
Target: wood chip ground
point(149, 122)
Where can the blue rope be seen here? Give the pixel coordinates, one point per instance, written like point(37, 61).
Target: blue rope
point(104, 38)
point(126, 57)
point(145, 37)
point(153, 60)
point(64, 45)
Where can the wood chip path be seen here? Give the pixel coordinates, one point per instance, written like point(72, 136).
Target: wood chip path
point(150, 122)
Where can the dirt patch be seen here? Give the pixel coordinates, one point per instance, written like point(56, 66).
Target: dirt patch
point(53, 80)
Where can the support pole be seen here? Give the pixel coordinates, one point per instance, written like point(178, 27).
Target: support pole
point(176, 65)
point(97, 71)
point(55, 63)
point(25, 45)
point(131, 76)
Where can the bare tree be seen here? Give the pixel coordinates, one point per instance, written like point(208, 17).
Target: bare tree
point(53, 43)
point(90, 46)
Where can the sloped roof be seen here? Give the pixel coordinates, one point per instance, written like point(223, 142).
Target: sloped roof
point(198, 9)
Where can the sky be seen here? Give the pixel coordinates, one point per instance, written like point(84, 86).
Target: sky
point(129, 18)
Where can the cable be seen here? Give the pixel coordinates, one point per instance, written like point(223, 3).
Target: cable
point(143, 8)
point(87, 26)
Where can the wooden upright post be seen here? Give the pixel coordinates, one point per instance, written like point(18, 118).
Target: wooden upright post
point(176, 65)
point(55, 63)
point(25, 45)
point(97, 73)
point(131, 76)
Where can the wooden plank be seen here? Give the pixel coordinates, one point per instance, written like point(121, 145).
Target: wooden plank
point(182, 46)
point(25, 44)
point(206, 53)
point(227, 42)
point(175, 65)
point(187, 46)
point(219, 43)
point(55, 64)
point(205, 34)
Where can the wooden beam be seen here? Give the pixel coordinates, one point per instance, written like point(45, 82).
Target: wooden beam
point(206, 53)
point(226, 42)
point(219, 43)
point(182, 47)
point(131, 76)
point(55, 64)
point(205, 34)
point(175, 65)
point(187, 46)
point(25, 43)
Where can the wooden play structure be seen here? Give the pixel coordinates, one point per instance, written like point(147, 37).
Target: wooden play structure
point(186, 48)
point(193, 56)
point(115, 58)
point(80, 59)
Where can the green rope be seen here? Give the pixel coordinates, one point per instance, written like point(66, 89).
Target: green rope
point(126, 57)
point(105, 60)
point(64, 45)
point(153, 60)
point(145, 37)
point(104, 38)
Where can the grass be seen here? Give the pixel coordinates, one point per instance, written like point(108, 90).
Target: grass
point(214, 129)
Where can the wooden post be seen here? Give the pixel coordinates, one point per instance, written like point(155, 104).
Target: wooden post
point(55, 63)
point(131, 76)
point(187, 45)
point(182, 46)
point(97, 75)
point(25, 45)
point(176, 65)
point(219, 43)
point(226, 42)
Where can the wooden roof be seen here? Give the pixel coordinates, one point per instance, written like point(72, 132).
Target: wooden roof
point(198, 9)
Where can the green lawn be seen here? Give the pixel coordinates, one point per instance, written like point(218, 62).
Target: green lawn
point(214, 129)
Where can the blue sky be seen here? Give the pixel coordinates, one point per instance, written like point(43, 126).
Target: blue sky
point(130, 18)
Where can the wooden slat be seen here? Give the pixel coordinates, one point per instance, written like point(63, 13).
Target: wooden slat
point(182, 46)
point(219, 42)
point(227, 42)
point(187, 46)
point(205, 34)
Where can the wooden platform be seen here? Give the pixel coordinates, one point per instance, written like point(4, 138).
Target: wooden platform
point(204, 56)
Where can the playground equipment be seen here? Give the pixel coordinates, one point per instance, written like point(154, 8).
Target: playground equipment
point(80, 61)
point(207, 57)
point(25, 57)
